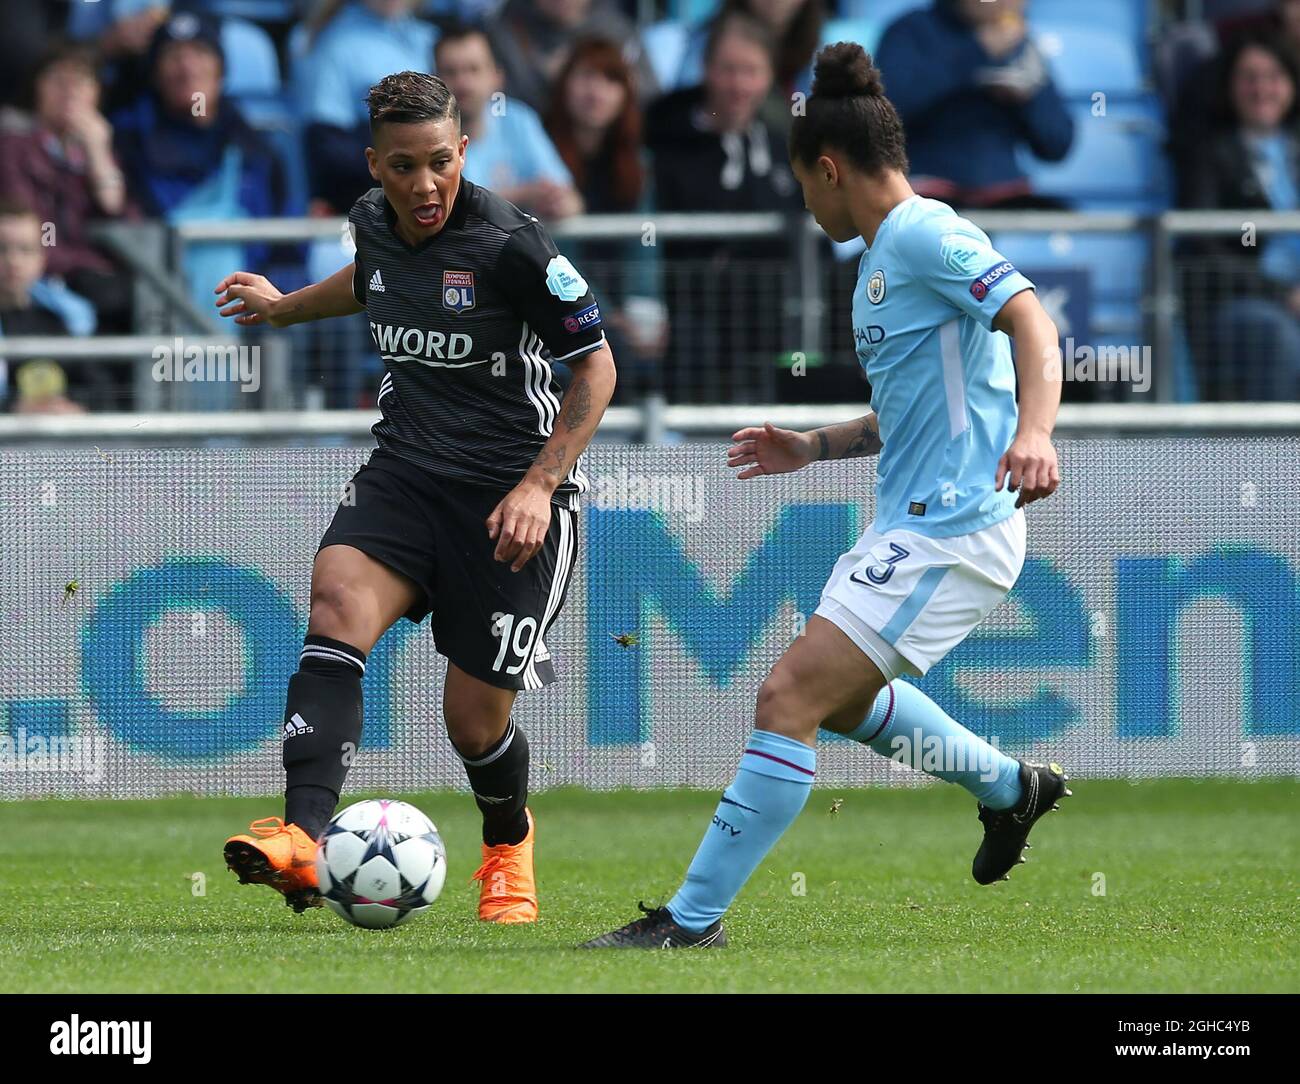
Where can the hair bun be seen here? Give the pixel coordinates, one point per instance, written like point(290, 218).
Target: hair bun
point(844, 70)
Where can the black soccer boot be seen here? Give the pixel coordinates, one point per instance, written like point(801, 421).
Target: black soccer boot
point(658, 930)
point(1006, 830)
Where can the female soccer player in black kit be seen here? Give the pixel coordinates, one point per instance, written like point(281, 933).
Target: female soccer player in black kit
point(467, 509)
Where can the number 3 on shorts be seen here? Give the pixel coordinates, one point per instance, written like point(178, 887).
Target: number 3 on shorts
point(513, 642)
point(880, 572)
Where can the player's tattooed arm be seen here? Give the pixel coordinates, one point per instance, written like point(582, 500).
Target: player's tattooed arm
point(580, 413)
point(519, 523)
point(849, 440)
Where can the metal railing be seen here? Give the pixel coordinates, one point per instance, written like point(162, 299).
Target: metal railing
point(813, 305)
point(650, 422)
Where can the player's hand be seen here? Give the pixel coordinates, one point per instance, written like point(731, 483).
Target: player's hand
point(1029, 466)
point(247, 297)
point(519, 524)
point(769, 450)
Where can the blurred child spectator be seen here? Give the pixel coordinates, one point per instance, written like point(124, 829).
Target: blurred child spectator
point(596, 126)
point(58, 159)
point(971, 87)
point(26, 310)
point(351, 46)
point(713, 151)
point(509, 150)
point(1242, 294)
point(189, 155)
point(532, 40)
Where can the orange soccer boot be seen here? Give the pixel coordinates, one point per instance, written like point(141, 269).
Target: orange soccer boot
point(508, 890)
point(283, 856)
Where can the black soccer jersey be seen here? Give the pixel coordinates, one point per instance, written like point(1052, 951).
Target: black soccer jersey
point(468, 324)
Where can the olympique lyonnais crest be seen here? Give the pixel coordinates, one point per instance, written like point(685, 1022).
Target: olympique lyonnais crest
point(458, 290)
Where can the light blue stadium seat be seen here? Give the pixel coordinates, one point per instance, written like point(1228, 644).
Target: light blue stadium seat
point(880, 11)
point(1116, 161)
point(260, 11)
point(692, 11)
point(252, 66)
point(1116, 265)
point(1089, 58)
point(866, 32)
point(1129, 17)
point(666, 44)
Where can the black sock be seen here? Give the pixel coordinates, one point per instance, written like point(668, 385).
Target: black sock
point(322, 730)
point(309, 807)
point(499, 779)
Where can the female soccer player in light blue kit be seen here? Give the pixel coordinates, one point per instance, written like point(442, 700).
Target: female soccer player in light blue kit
point(958, 460)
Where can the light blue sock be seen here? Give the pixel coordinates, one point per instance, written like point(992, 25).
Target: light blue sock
point(770, 788)
point(907, 725)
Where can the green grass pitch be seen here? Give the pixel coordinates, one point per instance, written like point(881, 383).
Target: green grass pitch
point(1200, 894)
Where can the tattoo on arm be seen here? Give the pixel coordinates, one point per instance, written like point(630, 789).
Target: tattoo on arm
point(824, 450)
point(577, 405)
point(863, 443)
point(554, 461)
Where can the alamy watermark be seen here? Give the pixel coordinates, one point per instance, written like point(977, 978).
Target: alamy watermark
point(208, 363)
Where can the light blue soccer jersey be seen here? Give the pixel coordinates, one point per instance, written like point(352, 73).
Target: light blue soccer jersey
point(943, 383)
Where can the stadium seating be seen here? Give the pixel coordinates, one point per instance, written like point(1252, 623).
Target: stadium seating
point(252, 64)
point(1116, 161)
point(1085, 59)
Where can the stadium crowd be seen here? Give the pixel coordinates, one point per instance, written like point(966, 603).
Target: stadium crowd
point(139, 111)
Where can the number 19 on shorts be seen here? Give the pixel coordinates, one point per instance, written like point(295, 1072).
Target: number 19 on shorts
point(517, 637)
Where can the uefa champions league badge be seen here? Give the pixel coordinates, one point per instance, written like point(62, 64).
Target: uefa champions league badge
point(457, 290)
point(876, 287)
point(563, 280)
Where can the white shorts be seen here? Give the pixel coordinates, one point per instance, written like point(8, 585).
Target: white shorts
point(907, 600)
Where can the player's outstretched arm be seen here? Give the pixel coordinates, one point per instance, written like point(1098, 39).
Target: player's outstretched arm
point(1029, 465)
point(520, 521)
point(252, 299)
point(766, 449)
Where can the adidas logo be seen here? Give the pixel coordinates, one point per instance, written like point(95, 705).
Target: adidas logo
point(297, 726)
point(376, 283)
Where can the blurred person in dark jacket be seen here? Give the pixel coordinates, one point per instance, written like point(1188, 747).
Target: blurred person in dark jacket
point(58, 159)
point(1241, 294)
point(713, 151)
point(970, 88)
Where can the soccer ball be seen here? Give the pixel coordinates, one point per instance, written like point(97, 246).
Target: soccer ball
point(380, 863)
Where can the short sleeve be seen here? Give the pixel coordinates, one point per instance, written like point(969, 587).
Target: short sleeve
point(958, 262)
point(548, 292)
point(358, 265)
point(544, 161)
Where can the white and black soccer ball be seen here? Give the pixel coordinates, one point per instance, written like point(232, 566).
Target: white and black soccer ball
point(380, 863)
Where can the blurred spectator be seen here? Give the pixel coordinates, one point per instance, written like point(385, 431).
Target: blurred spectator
point(596, 126)
point(352, 46)
point(1242, 295)
point(121, 31)
point(25, 311)
point(714, 152)
point(59, 161)
point(532, 39)
point(712, 149)
point(1189, 59)
point(971, 87)
point(188, 154)
point(795, 25)
point(509, 150)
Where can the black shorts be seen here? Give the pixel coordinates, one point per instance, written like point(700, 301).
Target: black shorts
point(489, 621)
